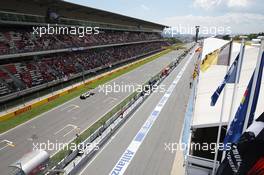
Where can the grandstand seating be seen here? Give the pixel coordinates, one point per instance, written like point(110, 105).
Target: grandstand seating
point(6, 83)
point(47, 68)
point(23, 40)
point(36, 70)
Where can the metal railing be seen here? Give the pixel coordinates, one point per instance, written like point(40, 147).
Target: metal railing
point(198, 165)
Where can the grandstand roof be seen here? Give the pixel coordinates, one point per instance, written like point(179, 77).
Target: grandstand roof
point(75, 11)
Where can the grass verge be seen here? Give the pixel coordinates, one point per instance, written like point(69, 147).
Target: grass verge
point(13, 122)
point(55, 159)
point(60, 155)
point(177, 46)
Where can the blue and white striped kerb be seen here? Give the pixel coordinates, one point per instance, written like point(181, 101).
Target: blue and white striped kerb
point(131, 150)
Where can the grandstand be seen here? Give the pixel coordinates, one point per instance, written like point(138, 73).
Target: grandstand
point(30, 63)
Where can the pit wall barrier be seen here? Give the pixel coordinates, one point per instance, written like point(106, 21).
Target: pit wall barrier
point(29, 107)
point(72, 163)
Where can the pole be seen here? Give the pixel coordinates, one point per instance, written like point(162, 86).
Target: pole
point(235, 89)
point(221, 115)
point(252, 92)
point(197, 32)
point(239, 66)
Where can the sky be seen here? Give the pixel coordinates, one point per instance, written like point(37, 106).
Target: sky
point(229, 16)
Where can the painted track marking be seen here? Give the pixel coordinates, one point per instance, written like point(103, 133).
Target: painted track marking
point(6, 143)
point(131, 150)
point(73, 128)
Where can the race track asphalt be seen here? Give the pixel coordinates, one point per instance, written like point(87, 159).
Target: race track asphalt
point(152, 157)
point(58, 125)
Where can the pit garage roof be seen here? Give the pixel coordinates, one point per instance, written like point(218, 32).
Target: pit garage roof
point(74, 11)
point(208, 116)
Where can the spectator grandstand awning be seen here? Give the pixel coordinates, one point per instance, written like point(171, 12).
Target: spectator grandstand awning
point(76, 12)
point(209, 116)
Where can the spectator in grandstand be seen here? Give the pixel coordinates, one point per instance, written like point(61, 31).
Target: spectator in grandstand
point(19, 40)
point(63, 66)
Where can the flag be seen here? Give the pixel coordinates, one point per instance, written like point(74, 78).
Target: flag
point(217, 57)
point(229, 78)
point(246, 156)
point(236, 127)
point(232, 78)
point(258, 168)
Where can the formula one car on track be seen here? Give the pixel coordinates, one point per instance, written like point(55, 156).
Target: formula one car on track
point(86, 95)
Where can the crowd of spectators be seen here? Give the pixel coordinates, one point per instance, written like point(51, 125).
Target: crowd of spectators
point(48, 68)
point(24, 40)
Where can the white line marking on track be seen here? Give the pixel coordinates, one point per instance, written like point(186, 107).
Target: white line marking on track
point(133, 147)
point(74, 108)
point(31, 120)
point(110, 140)
point(73, 127)
point(107, 143)
point(6, 144)
point(70, 108)
point(63, 104)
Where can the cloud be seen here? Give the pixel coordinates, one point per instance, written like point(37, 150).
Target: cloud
point(206, 4)
point(238, 3)
point(236, 22)
point(211, 4)
point(144, 7)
